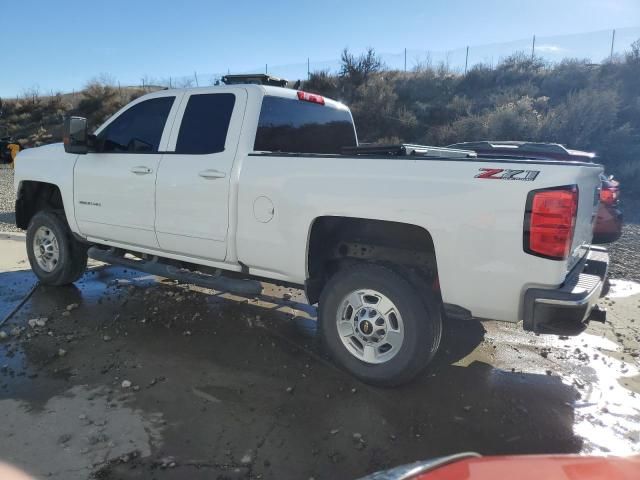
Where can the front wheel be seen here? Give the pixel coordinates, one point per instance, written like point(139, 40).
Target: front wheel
point(378, 325)
point(55, 256)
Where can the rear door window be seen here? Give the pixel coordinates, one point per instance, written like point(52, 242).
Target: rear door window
point(205, 123)
point(138, 129)
point(295, 126)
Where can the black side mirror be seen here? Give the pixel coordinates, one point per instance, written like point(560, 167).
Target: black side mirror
point(75, 136)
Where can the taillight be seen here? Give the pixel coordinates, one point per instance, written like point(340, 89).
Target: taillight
point(550, 221)
point(310, 97)
point(609, 195)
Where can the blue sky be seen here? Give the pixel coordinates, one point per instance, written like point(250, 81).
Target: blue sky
point(59, 45)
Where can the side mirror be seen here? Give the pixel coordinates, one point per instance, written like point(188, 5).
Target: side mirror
point(75, 136)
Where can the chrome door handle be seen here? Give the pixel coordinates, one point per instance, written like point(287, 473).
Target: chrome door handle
point(141, 169)
point(210, 173)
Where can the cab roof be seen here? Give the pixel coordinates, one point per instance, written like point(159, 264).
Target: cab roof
point(262, 90)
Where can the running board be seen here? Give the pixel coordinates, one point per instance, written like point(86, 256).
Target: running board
point(155, 266)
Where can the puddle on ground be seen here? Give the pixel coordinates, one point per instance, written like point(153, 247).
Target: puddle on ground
point(606, 412)
point(623, 288)
point(75, 431)
point(607, 415)
point(13, 288)
point(13, 366)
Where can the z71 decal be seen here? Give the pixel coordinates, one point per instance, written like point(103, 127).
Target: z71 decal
point(506, 174)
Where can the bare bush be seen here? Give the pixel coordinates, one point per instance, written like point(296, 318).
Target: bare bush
point(357, 69)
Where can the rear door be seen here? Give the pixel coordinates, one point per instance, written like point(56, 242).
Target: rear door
point(192, 192)
point(114, 186)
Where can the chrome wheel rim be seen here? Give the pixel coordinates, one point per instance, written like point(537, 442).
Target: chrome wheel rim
point(370, 326)
point(45, 249)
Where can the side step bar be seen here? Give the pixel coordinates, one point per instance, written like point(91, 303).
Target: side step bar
point(155, 266)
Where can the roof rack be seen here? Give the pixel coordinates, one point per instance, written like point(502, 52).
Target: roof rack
point(407, 149)
point(255, 79)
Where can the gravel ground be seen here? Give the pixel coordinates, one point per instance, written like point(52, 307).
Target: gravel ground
point(7, 201)
point(625, 254)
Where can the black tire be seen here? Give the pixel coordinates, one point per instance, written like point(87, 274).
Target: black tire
point(421, 317)
point(72, 261)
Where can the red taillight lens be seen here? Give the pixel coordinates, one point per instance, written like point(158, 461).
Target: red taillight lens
point(550, 220)
point(310, 97)
point(609, 195)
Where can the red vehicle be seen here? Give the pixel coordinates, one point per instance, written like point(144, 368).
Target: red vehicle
point(608, 225)
point(471, 466)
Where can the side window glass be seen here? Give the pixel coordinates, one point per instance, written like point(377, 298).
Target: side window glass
point(138, 129)
point(205, 123)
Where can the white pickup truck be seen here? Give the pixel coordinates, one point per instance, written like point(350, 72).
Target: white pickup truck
point(243, 183)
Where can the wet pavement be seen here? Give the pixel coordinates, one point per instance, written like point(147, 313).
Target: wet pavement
point(129, 376)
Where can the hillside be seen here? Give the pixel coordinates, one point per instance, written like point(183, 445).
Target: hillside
point(35, 119)
point(579, 104)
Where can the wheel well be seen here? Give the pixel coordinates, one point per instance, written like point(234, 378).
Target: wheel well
point(33, 197)
point(335, 241)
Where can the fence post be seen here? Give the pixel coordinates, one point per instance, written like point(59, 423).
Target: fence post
point(196, 76)
point(613, 39)
point(466, 61)
point(533, 47)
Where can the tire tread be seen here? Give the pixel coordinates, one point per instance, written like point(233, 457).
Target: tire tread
point(420, 303)
point(73, 252)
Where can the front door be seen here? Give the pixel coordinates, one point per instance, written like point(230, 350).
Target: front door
point(114, 186)
point(192, 192)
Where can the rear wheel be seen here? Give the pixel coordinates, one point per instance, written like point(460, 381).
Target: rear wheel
point(378, 325)
point(55, 256)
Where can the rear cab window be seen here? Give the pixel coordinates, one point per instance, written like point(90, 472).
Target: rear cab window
point(295, 126)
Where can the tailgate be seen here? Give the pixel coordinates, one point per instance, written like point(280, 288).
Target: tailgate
point(589, 184)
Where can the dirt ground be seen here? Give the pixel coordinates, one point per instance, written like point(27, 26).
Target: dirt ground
point(129, 376)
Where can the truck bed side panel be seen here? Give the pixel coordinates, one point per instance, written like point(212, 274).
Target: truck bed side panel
point(476, 224)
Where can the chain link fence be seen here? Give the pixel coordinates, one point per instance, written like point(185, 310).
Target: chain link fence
point(597, 47)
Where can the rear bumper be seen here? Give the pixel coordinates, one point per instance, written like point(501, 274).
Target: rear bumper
point(568, 309)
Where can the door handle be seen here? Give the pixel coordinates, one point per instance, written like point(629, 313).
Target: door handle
point(141, 169)
point(210, 173)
